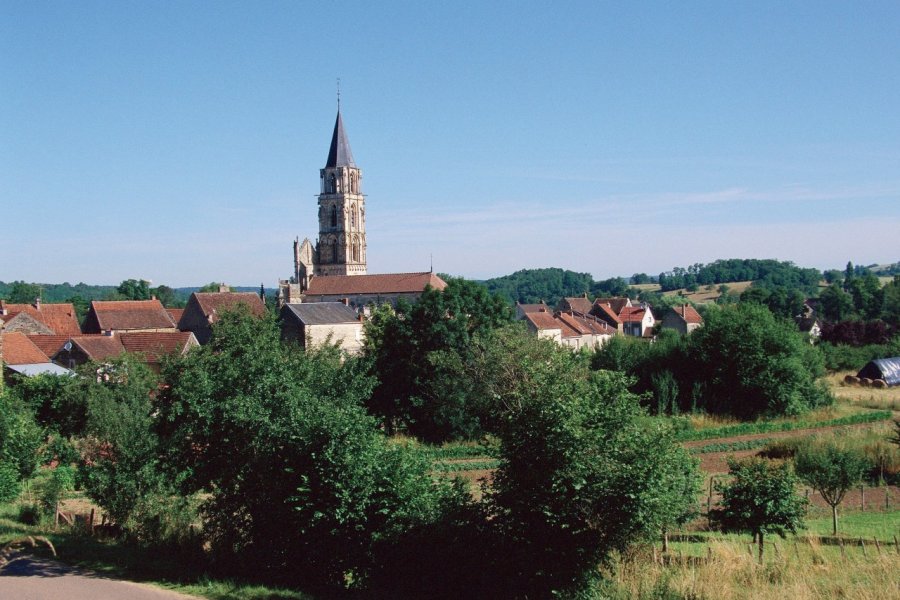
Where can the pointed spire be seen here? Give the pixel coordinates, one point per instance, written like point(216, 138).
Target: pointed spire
point(339, 155)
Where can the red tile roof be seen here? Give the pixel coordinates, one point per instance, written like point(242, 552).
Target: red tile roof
point(387, 283)
point(530, 308)
point(49, 344)
point(543, 320)
point(154, 345)
point(215, 303)
point(175, 313)
point(688, 313)
point(99, 347)
point(579, 304)
point(587, 325)
point(632, 314)
point(125, 315)
point(616, 303)
point(19, 350)
point(606, 310)
point(61, 318)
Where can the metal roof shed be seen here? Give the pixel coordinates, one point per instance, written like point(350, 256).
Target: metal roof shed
point(887, 369)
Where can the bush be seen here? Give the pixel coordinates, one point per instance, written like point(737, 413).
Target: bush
point(54, 490)
point(20, 437)
point(10, 486)
point(842, 357)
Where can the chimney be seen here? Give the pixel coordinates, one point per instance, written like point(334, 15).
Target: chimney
point(153, 296)
point(345, 301)
point(223, 289)
point(37, 303)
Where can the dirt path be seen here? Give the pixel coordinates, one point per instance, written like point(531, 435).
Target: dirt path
point(26, 577)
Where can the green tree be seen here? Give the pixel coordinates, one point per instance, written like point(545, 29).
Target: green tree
point(831, 470)
point(20, 436)
point(581, 474)
point(753, 364)
point(23, 293)
point(120, 465)
point(868, 297)
point(837, 305)
point(682, 482)
point(59, 403)
point(760, 499)
point(407, 345)
point(165, 295)
point(133, 289)
point(294, 471)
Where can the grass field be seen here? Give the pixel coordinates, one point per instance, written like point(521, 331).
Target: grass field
point(807, 566)
point(865, 397)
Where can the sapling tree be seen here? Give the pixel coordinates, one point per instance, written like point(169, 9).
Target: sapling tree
point(760, 498)
point(831, 470)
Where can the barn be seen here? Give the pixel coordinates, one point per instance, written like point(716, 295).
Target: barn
point(886, 369)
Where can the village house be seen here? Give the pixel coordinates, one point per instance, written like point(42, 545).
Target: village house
point(317, 323)
point(205, 308)
point(684, 319)
point(604, 311)
point(128, 315)
point(523, 309)
point(569, 329)
point(21, 355)
point(151, 347)
point(637, 321)
point(40, 317)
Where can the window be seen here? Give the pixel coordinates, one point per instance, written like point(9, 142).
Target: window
point(334, 216)
point(332, 184)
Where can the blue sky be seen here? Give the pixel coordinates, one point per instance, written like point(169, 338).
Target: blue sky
point(180, 142)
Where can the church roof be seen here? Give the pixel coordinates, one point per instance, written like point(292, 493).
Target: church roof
point(339, 155)
point(388, 283)
point(321, 313)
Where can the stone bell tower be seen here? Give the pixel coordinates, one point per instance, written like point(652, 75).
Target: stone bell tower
point(341, 247)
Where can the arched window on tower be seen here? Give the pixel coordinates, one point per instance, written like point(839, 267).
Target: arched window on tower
point(353, 216)
point(332, 184)
point(356, 251)
point(353, 188)
point(334, 216)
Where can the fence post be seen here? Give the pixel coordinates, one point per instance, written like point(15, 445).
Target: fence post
point(91, 523)
point(877, 545)
point(896, 545)
point(862, 497)
point(862, 543)
point(843, 552)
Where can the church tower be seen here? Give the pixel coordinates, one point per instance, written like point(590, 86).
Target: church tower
point(341, 247)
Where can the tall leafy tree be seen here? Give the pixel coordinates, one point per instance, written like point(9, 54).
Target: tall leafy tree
point(406, 345)
point(831, 470)
point(760, 499)
point(752, 364)
point(133, 289)
point(581, 474)
point(23, 293)
point(294, 471)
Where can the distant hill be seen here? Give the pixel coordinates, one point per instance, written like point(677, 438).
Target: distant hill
point(530, 286)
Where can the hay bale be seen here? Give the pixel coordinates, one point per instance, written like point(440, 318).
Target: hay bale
point(865, 382)
point(880, 384)
point(851, 380)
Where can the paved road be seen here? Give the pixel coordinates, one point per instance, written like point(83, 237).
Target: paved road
point(29, 578)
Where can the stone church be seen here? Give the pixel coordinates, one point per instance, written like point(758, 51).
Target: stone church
point(335, 269)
